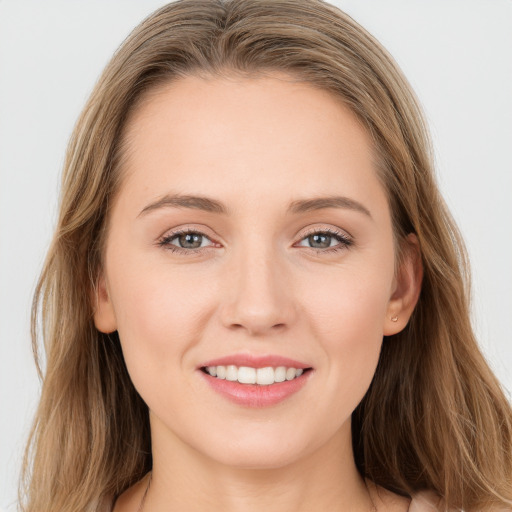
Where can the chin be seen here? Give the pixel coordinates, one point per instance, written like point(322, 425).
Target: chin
point(263, 449)
point(262, 458)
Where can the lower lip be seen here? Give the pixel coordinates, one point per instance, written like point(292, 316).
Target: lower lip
point(254, 395)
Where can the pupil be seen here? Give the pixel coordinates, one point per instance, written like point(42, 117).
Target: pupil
point(190, 240)
point(320, 241)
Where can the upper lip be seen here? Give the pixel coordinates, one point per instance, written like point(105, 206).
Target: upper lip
point(254, 361)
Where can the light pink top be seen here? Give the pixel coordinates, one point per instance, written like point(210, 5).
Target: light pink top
point(428, 501)
point(421, 502)
point(383, 499)
point(425, 501)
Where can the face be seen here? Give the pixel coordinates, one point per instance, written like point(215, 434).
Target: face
point(250, 233)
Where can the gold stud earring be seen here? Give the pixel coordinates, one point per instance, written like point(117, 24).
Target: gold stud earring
point(394, 319)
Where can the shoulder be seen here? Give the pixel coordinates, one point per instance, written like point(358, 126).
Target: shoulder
point(426, 501)
point(385, 500)
point(130, 500)
point(429, 501)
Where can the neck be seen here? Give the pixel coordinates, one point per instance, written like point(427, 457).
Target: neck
point(326, 479)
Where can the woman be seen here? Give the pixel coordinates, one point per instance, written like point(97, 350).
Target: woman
point(255, 297)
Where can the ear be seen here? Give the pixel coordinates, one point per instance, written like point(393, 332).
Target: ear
point(104, 316)
point(406, 288)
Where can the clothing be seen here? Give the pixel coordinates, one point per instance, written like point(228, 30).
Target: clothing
point(421, 502)
point(384, 499)
point(426, 501)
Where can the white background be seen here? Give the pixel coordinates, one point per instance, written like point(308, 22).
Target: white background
point(456, 54)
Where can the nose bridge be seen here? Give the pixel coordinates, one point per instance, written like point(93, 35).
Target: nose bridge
point(259, 297)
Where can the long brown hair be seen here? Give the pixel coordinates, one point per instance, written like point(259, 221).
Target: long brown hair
point(434, 416)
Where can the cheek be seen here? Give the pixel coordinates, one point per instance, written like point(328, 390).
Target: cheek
point(160, 314)
point(347, 314)
point(350, 304)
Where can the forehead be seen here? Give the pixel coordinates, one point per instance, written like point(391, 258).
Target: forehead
point(247, 138)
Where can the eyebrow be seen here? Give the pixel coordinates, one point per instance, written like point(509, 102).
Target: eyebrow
point(320, 203)
point(186, 201)
point(298, 206)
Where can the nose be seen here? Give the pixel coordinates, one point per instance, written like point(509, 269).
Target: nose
point(259, 294)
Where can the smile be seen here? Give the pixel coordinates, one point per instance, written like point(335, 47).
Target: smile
point(248, 375)
point(251, 380)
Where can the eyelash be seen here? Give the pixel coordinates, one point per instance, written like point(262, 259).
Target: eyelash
point(344, 241)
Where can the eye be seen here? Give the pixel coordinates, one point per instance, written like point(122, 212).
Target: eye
point(189, 241)
point(326, 240)
point(185, 241)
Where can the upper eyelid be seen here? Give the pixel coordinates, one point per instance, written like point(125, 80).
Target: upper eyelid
point(309, 232)
point(187, 229)
point(167, 237)
point(332, 231)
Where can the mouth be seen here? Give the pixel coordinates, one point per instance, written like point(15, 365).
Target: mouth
point(256, 381)
point(257, 376)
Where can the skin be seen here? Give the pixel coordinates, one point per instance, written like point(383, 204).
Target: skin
point(258, 285)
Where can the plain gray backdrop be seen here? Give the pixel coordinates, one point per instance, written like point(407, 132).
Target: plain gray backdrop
point(456, 54)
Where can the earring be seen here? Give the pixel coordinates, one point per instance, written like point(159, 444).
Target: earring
point(394, 319)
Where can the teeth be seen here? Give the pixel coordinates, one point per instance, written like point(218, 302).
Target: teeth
point(280, 374)
point(248, 375)
point(290, 373)
point(231, 373)
point(265, 376)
